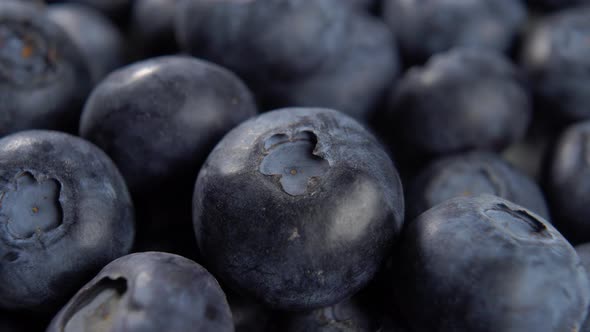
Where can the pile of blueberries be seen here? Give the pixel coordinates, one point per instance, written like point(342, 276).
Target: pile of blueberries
point(294, 165)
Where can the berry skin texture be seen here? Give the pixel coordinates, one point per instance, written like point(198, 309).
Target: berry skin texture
point(297, 208)
point(147, 292)
point(295, 52)
point(460, 100)
point(485, 264)
point(65, 212)
point(99, 40)
point(159, 118)
point(568, 182)
point(425, 28)
point(43, 77)
point(556, 56)
point(472, 174)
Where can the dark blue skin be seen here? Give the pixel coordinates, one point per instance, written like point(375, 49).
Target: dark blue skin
point(21, 322)
point(295, 52)
point(297, 208)
point(583, 251)
point(65, 212)
point(159, 119)
point(485, 264)
point(556, 55)
point(460, 100)
point(145, 292)
point(43, 77)
point(473, 174)
point(427, 27)
point(152, 22)
point(568, 183)
point(99, 40)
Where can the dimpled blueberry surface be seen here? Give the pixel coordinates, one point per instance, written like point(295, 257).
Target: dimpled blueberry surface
point(485, 264)
point(297, 208)
point(64, 213)
point(147, 292)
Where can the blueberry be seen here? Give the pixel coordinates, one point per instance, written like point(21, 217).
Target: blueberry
point(43, 77)
point(294, 52)
point(568, 182)
point(556, 55)
point(427, 27)
point(98, 39)
point(485, 264)
point(159, 118)
point(145, 292)
point(64, 213)
point(472, 174)
point(460, 100)
point(297, 208)
point(152, 22)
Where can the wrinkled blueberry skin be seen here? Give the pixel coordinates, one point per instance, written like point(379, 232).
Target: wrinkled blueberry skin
point(297, 208)
point(153, 26)
point(460, 100)
point(295, 52)
point(485, 264)
point(556, 56)
point(428, 27)
point(154, 292)
point(43, 77)
point(568, 182)
point(583, 251)
point(159, 118)
point(472, 174)
point(65, 212)
point(97, 38)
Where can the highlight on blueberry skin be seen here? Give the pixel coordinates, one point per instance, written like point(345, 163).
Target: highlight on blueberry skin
point(556, 56)
point(568, 182)
point(425, 28)
point(460, 100)
point(159, 118)
point(64, 213)
point(486, 264)
point(472, 174)
point(43, 77)
point(145, 292)
point(317, 53)
point(297, 208)
point(97, 38)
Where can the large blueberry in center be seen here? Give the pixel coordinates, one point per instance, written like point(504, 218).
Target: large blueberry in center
point(297, 208)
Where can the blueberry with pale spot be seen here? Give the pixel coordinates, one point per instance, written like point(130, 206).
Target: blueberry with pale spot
point(64, 213)
point(297, 208)
point(147, 292)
